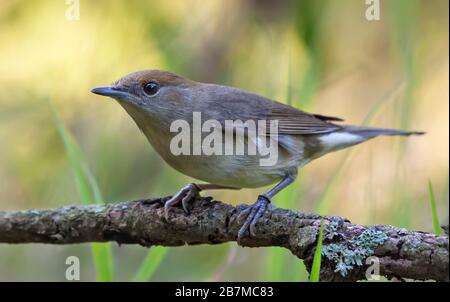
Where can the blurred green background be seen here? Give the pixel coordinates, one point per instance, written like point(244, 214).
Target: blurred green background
point(320, 55)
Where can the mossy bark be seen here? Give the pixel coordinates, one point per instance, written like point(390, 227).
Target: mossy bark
point(400, 253)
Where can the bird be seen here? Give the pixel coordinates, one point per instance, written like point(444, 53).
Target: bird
point(155, 99)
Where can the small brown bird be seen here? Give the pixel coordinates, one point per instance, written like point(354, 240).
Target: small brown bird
point(155, 99)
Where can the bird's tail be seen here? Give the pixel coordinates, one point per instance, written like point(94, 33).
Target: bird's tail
point(369, 132)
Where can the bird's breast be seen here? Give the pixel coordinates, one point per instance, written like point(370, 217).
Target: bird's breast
point(236, 170)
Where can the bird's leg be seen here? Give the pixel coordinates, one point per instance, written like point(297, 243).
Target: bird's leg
point(187, 193)
point(255, 211)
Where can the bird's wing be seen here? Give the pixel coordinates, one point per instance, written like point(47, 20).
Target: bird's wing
point(244, 106)
point(294, 121)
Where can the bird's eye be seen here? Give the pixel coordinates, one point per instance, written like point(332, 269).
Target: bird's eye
point(151, 88)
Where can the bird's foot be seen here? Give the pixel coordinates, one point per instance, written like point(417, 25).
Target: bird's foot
point(185, 195)
point(252, 214)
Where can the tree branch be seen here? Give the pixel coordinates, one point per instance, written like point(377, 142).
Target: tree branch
point(346, 254)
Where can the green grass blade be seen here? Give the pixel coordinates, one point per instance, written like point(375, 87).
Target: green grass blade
point(103, 261)
point(84, 180)
point(88, 192)
point(315, 270)
point(150, 264)
point(434, 214)
point(309, 85)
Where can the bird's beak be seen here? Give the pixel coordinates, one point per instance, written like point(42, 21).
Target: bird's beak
point(110, 91)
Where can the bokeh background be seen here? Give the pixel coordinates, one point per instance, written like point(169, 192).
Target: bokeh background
point(322, 56)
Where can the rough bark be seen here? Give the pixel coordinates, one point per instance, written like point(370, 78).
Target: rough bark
point(345, 257)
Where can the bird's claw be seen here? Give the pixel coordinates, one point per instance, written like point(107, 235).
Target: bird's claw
point(252, 215)
point(184, 196)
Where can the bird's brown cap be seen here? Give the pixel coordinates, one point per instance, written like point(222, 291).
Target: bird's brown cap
point(163, 78)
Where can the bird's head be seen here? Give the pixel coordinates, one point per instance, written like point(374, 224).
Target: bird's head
point(151, 91)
